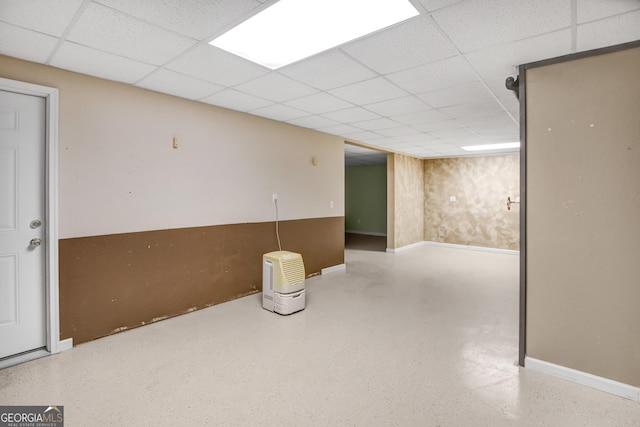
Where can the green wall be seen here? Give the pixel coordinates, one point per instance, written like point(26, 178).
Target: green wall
point(366, 199)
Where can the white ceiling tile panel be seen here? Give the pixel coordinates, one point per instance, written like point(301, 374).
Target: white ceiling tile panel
point(342, 130)
point(314, 122)
point(466, 93)
point(591, 10)
point(369, 91)
point(275, 87)
point(434, 126)
point(415, 42)
point(279, 112)
point(421, 117)
point(479, 109)
point(476, 24)
point(365, 136)
point(355, 114)
point(217, 66)
point(178, 84)
point(438, 75)
point(236, 100)
point(377, 124)
point(44, 16)
point(396, 107)
point(109, 30)
point(432, 5)
point(610, 31)
point(25, 44)
point(328, 70)
point(449, 133)
point(511, 103)
point(319, 103)
point(85, 60)
point(194, 18)
point(504, 60)
point(401, 131)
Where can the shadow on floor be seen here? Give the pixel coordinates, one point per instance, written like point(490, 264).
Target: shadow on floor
point(365, 242)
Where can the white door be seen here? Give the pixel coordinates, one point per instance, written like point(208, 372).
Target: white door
point(22, 227)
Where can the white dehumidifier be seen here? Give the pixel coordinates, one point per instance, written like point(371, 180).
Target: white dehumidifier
point(283, 282)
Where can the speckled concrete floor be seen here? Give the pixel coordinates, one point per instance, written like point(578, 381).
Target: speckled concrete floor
point(426, 337)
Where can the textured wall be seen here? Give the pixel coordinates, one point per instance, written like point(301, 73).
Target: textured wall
point(366, 199)
point(479, 216)
point(408, 200)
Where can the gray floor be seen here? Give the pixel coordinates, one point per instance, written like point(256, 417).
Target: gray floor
point(426, 337)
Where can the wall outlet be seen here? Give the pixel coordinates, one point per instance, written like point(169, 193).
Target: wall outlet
point(176, 142)
point(274, 197)
point(452, 198)
point(331, 204)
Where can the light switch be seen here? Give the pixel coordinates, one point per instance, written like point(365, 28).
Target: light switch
point(452, 198)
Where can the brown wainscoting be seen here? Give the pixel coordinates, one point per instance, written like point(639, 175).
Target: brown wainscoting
point(120, 281)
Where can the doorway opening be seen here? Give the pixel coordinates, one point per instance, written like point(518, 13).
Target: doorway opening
point(365, 198)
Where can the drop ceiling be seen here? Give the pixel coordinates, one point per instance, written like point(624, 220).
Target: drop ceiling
point(424, 87)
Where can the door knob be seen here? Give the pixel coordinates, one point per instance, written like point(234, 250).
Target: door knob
point(35, 242)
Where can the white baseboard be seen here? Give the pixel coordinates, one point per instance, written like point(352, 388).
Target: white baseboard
point(65, 345)
point(604, 384)
point(366, 233)
point(404, 248)
point(333, 269)
point(473, 248)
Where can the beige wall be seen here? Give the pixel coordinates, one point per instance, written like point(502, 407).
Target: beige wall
point(479, 215)
point(119, 172)
point(405, 192)
point(148, 231)
point(583, 215)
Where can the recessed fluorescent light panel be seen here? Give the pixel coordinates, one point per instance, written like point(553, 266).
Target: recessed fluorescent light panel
point(291, 30)
point(492, 146)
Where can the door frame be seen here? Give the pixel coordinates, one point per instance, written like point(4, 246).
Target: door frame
point(52, 304)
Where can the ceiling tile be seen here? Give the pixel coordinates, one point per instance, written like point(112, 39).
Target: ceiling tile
point(279, 112)
point(355, 114)
point(432, 5)
point(591, 10)
point(194, 18)
point(365, 136)
point(319, 103)
point(497, 86)
point(470, 92)
point(369, 91)
point(275, 87)
point(478, 109)
point(327, 70)
point(439, 75)
point(415, 42)
point(476, 24)
point(236, 100)
point(313, 122)
point(109, 30)
point(377, 124)
point(504, 60)
point(440, 125)
point(426, 116)
point(217, 66)
point(619, 29)
point(401, 131)
point(178, 85)
point(82, 59)
point(25, 44)
point(43, 16)
point(342, 130)
point(395, 107)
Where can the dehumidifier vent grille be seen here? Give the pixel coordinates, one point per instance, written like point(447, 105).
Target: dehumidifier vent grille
point(293, 269)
